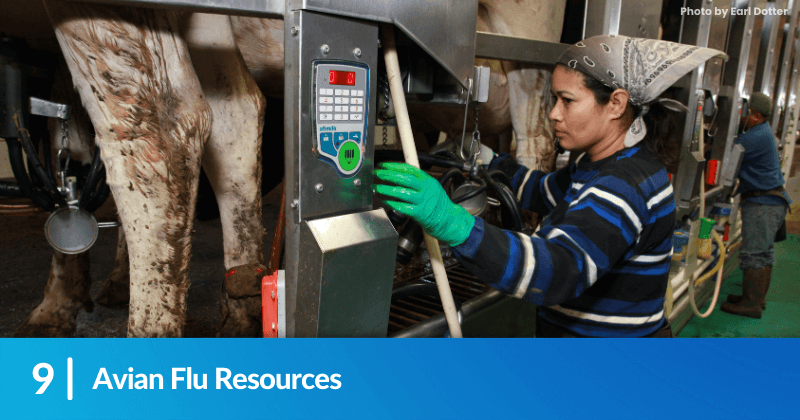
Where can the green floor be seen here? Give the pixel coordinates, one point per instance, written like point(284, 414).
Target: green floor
point(782, 316)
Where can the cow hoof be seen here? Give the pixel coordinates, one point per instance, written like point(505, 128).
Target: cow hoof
point(114, 293)
point(51, 328)
point(240, 317)
point(241, 301)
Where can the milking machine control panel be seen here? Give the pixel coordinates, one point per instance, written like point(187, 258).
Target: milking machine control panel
point(340, 98)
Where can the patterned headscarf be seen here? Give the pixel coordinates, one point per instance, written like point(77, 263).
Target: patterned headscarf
point(643, 67)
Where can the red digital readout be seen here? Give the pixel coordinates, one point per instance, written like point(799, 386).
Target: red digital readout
point(342, 78)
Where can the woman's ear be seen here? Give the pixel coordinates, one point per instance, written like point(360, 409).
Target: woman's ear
point(618, 102)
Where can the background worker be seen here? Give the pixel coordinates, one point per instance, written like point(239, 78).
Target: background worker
point(764, 206)
point(598, 266)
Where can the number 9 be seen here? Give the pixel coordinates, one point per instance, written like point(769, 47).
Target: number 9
point(47, 379)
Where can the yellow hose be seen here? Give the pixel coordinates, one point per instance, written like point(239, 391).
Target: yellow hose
point(716, 270)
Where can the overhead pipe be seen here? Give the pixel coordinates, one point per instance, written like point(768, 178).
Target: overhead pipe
point(410, 153)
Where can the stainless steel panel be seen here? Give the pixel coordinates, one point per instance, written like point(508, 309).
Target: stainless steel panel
point(305, 33)
point(503, 47)
point(445, 29)
point(787, 58)
point(338, 195)
point(764, 80)
point(717, 39)
point(345, 286)
point(733, 80)
point(730, 171)
point(261, 8)
point(696, 30)
point(788, 131)
point(601, 18)
point(640, 18)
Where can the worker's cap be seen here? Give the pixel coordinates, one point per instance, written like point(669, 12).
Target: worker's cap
point(761, 103)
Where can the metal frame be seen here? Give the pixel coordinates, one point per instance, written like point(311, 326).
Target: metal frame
point(696, 30)
point(732, 88)
point(785, 69)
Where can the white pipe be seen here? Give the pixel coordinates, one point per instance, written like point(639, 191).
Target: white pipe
point(410, 153)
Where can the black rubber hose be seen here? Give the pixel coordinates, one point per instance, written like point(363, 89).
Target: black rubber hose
point(424, 160)
point(10, 189)
point(100, 196)
point(40, 198)
point(91, 180)
point(452, 172)
point(31, 167)
point(472, 193)
point(447, 155)
point(508, 200)
point(48, 157)
point(49, 185)
point(501, 176)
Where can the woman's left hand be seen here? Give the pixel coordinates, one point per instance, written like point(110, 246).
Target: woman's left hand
point(422, 198)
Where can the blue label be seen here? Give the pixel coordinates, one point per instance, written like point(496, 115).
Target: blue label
point(339, 138)
point(326, 143)
point(355, 135)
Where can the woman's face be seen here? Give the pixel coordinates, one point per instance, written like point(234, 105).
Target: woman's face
point(579, 122)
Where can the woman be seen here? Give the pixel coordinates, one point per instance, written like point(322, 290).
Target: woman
point(598, 266)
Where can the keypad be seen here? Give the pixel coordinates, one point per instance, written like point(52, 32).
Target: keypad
point(341, 118)
point(349, 104)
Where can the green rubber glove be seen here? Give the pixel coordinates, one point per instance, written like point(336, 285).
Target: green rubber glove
point(421, 197)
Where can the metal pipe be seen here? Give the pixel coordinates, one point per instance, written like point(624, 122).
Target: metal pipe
point(712, 192)
point(436, 325)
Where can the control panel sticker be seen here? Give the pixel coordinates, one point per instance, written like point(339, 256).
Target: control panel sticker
point(339, 107)
point(349, 155)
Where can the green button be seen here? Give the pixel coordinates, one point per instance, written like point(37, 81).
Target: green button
point(349, 156)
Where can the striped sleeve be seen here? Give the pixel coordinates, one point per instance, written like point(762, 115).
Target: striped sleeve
point(535, 190)
point(600, 227)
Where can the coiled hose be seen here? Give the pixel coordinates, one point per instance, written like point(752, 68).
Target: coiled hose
point(716, 270)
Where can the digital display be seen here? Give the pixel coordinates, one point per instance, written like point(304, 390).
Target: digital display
point(342, 78)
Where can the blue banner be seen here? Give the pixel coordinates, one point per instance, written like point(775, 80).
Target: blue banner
point(414, 378)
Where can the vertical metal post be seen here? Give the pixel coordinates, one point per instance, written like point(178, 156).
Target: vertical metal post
point(601, 17)
point(734, 79)
point(696, 32)
point(785, 69)
point(764, 80)
point(788, 133)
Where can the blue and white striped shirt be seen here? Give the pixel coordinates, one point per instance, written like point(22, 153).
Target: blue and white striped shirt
point(599, 264)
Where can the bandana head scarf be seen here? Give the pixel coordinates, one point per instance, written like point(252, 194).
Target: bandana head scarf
point(643, 67)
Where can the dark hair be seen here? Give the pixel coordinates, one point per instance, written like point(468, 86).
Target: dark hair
point(661, 126)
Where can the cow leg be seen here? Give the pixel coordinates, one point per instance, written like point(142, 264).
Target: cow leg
point(66, 292)
point(116, 288)
point(541, 20)
point(232, 161)
point(135, 79)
